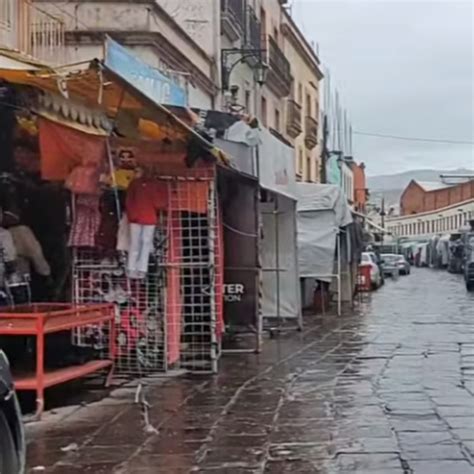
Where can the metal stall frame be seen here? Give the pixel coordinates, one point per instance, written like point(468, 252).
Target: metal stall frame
point(336, 276)
point(257, 333)
point(204, 344)
point(280, 325)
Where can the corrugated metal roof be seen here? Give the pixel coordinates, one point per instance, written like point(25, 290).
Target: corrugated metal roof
point(432, 185)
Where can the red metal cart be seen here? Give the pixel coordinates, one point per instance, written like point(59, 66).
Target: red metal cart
point(364, 282)
point(42, 319)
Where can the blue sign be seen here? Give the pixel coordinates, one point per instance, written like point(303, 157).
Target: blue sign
point(148, 80)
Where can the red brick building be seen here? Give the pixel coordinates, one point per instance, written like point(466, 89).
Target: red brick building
point(361, 193)
point(420, 196)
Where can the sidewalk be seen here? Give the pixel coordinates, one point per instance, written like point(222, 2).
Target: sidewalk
point(388, 389)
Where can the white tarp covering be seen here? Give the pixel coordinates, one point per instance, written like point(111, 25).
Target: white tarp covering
point(276, 163)
point(278, 257)
point(322, 209)
point(276, 173)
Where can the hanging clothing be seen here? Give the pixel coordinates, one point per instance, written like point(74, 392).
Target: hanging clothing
point(123, 234)
point(29, 251)
point(191, 196)
point(145, 197)
point(121, 178)
point(7, 253)
point(86, 221)
point(109, 222)
point(63, 148)
point(7, 245)
point(141, 245)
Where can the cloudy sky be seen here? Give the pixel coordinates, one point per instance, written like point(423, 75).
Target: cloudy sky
point(402, 67)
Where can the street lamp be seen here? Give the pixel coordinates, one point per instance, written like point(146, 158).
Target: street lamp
point(260, 68)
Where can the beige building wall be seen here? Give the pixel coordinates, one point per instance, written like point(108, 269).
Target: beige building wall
point(306, 72)
point(153, 31)
point(303, 87)
point(271, 14)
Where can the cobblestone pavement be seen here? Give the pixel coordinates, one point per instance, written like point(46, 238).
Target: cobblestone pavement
point(386, 390)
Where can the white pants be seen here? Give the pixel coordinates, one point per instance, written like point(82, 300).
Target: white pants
point(141, 245)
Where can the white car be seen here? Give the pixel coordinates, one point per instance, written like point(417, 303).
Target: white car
point(368, 258)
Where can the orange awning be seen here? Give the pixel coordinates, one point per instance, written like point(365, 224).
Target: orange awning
point(135, 115)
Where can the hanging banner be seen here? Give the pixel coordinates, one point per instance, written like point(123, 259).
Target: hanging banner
point(148, 80)
point(241, 264)
point(333, 170)
point(276, 165)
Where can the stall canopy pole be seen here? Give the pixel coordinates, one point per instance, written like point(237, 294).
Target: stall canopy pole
point(277, 259)
point(213, 275)
point(339, 295)
point(113, 177)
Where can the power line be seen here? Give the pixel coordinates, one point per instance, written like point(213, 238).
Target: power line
point(70, 15)
point(414, 139)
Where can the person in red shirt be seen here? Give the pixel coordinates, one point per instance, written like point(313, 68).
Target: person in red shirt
point(145, 198)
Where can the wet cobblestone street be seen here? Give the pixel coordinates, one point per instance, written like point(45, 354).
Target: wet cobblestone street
point(386, 390)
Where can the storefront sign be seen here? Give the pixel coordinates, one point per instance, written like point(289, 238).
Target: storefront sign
point(233, 292)
point(240, 297)
point(150, 81)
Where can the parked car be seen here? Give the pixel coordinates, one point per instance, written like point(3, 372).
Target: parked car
point(404, 267)
point(375, 274)
point(468, 261)
point(390, 267)
point(378, 261)
point(12, 439)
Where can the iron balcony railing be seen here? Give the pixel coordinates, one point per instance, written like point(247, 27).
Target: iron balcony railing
point(293, 118)
point(278, 62)
point(253, 30)
point(233, 15)
point(31, 30)
point(44, 36)
point(311, 132)
point(9, 23)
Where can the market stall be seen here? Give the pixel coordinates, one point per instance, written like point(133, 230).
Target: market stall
point(323, 215)
point(238, 195)
point(121, 197)
point(280, 306)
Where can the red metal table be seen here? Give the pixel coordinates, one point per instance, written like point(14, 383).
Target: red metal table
point(42, 319)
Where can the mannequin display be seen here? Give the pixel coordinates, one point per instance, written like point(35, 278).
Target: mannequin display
point(7, 252)
point(145, 198)
point(28, 249)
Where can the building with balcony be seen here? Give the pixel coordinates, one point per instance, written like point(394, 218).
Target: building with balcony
point(186, 40)
point(158, 31)
point(306, 75)
point(29, 29)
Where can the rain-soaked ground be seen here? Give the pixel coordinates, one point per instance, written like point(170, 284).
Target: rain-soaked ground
point(387, 390)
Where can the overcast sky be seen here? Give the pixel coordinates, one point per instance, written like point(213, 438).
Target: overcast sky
point(402, 67)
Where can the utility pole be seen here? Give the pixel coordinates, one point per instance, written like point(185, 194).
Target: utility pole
point(382, 215)
point(324, 150)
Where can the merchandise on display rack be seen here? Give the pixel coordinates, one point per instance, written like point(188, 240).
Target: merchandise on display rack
point(165, 288)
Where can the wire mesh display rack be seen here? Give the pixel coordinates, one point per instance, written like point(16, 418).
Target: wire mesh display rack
point(170, 319)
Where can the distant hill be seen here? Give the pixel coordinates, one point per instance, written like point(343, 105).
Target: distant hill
point(391, 186)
